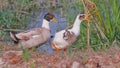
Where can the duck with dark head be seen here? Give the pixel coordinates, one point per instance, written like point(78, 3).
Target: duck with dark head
point(36, 36)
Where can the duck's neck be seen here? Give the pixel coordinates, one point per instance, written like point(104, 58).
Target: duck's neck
point(76, 27)
point(45, 24)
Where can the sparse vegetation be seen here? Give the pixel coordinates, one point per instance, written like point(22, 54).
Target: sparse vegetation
point(16, 14)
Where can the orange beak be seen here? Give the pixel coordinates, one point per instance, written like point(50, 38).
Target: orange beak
point(87, 19)
point(55, 20)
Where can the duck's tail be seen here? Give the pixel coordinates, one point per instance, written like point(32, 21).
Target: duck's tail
point(14, 38)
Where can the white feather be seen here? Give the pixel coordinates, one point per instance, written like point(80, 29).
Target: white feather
point(45, 24)
point(58, 39)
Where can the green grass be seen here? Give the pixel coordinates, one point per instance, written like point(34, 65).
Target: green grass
point(16, 14)
point(110, 12)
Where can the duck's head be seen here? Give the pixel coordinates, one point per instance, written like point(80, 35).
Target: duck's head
point(50, 17)
point(83, 17)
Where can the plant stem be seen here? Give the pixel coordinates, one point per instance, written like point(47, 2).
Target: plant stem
point(88, 37)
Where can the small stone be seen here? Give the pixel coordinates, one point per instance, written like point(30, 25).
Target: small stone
point(1, 62)
point(75, 64)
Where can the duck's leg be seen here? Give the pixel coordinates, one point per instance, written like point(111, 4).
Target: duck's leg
point(58, 50)
point(31, 49)
point(65, 52)
point(54, 47)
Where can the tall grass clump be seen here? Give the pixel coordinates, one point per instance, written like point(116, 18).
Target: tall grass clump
point(110, 13)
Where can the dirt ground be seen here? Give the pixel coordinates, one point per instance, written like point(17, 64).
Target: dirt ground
point(12, 57)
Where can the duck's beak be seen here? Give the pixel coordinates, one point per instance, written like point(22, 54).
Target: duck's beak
point(87, 19)
point(55, 20)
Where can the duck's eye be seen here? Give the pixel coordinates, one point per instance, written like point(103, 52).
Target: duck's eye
point(81, 17)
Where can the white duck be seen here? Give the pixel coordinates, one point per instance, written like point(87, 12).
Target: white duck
point(35, 36)
point(65, 38)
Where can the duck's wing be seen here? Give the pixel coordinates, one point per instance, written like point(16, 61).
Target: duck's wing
point(65, 37)
point(69, 37)
point(28, 34)
point(37, 40)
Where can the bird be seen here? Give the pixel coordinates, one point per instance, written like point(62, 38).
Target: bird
point(65, 38)
point(36, 36)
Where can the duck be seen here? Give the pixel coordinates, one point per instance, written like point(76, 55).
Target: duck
point(66, 38)
point(36, 36)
